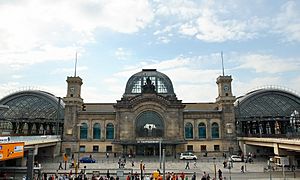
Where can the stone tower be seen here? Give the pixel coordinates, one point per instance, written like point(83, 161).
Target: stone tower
point(73, 103)
point(225, 101)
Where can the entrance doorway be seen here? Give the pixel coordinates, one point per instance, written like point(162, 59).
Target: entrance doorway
point(147, 149)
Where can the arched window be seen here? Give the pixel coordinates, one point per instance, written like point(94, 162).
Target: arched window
point(83, 131)
point(202, 130)
point(110, 131)
point(215, 130)
point(96, 131)
point(188, 130)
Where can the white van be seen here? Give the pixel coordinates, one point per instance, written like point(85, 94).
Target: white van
point(188, 155)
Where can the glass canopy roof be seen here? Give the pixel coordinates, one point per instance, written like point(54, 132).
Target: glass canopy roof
point(162, 84)
point(32, 105)
point(267, 102)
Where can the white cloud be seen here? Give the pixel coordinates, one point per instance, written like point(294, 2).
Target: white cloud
point(268, 63)
point(287, 22)
point(182, 9)
point(38, 31)
point(122, 54)
point(69, 70)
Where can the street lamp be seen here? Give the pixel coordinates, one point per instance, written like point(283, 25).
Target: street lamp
point(245, 156)
point(229, 167)
point(78, 139)
point(160, 153)
point(270, 169)
point(215, 168)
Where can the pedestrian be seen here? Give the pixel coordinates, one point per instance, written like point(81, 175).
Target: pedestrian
point(65, 160)
point(60, 166)
point(195, 164)
point(242, 169)
point(107, 174)
point(220, 174)
point(132, 163)
point(182, 175)
point(194, 176)
point(187, 165)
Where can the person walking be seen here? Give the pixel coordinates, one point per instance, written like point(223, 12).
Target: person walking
point(195, 164)
point(187, 165)
point(220, 174)
point(194, 176)
point(60, 166)
point(242, 169)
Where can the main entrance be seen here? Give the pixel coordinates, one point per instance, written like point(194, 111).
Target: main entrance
point(147, 150)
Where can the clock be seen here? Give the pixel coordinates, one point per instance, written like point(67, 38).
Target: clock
point(226, 88)
point(72, 89)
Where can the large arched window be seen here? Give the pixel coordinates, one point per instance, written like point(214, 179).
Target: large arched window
point(215, 130)
point(188, 130)
point(202, 130)
point(149, 124)
point(96, 131)
point(83, 131)
point(110, 131)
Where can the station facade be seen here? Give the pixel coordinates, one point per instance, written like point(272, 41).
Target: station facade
point(147, 116)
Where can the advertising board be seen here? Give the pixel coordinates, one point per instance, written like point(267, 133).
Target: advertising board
point(11, 150)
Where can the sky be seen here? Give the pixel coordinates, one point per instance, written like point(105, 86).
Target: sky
point(114, 39)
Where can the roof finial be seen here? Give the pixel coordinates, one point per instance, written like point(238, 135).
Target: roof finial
point(75, 64)
point(222, 64)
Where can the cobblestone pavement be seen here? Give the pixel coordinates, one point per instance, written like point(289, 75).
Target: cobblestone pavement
point(253, 170)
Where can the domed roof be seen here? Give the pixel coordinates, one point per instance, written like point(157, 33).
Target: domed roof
point(159, 83)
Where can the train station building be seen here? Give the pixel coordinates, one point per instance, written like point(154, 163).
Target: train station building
point(149, 115)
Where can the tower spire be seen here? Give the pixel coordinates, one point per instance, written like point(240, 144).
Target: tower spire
point(75, 64)
point(222, 64)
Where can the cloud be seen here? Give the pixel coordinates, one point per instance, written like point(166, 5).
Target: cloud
point(264, 63)
point(181, 9)
point(38, 31)
point(122, 54)
point(69, 70)
point(287, 21)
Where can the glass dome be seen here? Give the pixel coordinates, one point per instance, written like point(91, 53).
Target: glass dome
point(156, 81)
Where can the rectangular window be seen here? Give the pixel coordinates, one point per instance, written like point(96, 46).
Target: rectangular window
point(68, 151)
point(82, 149)
point(95, 148)
point(217, 147)
point(190, 148)
point(108, 148)
point(203, 148)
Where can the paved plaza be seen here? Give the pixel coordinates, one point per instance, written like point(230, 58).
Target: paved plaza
point(253, 170)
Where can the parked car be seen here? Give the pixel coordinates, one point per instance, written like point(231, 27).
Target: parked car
point(235, 158)
point(188, 155)
point(87, 160)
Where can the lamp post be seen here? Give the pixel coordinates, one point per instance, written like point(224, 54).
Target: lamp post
point(164, 164)
point(229, 167)
point(245, 155)
point(160, 153)
point(270, 169)
point(78, 138)
point(215, 168)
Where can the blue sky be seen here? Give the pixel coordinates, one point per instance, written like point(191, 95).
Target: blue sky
point(114, 39)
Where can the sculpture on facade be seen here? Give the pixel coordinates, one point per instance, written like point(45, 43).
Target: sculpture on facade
point(148, 87)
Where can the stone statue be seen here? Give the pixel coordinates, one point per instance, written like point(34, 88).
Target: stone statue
point(148, 87)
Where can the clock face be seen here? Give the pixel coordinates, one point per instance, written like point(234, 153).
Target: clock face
point(226, 88)
point(72, 89)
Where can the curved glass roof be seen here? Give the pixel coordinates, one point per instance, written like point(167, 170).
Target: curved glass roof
point(32, 105)
point(267, 102)
point(162, 83)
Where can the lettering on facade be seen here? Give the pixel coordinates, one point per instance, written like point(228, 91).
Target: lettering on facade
point(147, 141)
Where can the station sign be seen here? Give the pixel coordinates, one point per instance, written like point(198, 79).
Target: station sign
point(11, 150)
